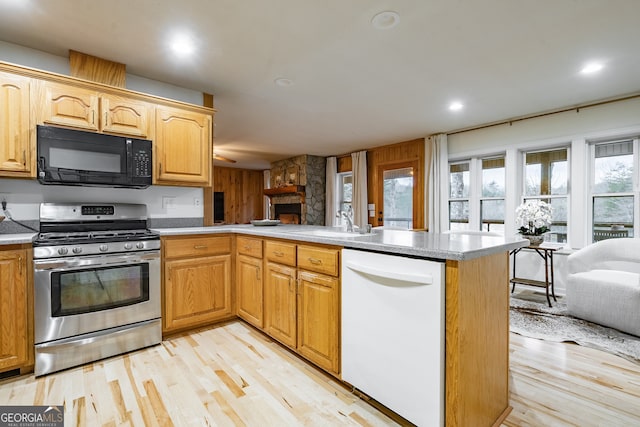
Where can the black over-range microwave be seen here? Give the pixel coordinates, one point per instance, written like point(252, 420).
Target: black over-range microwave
point(73, 157)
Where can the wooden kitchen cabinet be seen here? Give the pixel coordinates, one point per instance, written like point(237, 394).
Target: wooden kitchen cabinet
point(249, 280)
point(197, 281)
point(183, 147)
point(71, 106)
point(16, 155)
point(302, 305)
point(88, 109)
point(16, 333)
point(319, 305)
point(280, 303)
point(319, 319)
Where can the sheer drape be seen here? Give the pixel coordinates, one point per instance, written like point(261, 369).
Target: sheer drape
point(359, 197)
point(437, 185)
point(331, 205)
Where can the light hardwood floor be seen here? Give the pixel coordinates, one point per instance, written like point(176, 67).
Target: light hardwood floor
point(232, 375)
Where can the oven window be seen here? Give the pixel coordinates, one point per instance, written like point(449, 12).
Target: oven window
point(96, 289)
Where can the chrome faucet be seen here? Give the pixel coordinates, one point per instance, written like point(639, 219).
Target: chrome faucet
point(348, 215)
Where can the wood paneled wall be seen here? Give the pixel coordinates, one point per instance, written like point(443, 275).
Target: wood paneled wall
point(243, 195)
point(400, 155)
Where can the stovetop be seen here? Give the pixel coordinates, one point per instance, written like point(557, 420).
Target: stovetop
point(90, 237)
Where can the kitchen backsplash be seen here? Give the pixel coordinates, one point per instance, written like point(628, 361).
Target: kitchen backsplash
point(166, 206)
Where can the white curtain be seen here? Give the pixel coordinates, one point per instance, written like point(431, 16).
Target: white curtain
point(437, 185)
point(359, 196)
point(331, 193)
point(267, 202)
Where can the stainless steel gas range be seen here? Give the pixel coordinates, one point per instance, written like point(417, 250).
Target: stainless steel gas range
point(97, 284)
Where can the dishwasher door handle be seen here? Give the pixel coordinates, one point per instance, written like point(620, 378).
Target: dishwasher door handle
point(415, 278)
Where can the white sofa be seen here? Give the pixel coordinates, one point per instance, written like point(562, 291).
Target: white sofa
point(603, 284)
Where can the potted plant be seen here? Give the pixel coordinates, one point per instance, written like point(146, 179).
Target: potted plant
point(534, 218)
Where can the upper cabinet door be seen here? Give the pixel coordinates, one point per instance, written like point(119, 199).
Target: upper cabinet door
point(183, 141)
point(70, 106)
point(124, 116)
point(15, 147)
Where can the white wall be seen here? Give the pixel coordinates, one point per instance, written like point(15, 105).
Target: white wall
point(24, 196)
point(589, 123)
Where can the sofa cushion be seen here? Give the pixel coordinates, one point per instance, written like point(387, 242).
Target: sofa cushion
point(608, 297)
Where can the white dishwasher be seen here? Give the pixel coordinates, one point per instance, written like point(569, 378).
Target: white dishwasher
point(393, 332)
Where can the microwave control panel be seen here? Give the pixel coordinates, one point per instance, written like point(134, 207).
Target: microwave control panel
point(142, 163)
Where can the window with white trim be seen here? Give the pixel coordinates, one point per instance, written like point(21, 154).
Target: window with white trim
point(492, 203)
point(459, 191)
point(345, 191)
point(546, 178)
point(613, 199)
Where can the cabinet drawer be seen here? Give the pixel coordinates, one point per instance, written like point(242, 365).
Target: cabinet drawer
point(249, 246)
point(196, 246)
point(321, 260)
point(280, 252)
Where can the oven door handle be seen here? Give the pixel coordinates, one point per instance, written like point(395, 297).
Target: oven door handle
point(90, 262)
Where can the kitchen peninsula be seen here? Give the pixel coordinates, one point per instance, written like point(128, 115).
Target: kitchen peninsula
point(476, 299)
point(476, 305)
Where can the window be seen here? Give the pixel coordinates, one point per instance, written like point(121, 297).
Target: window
point(612, 195)
point(345, 191)
point(397, 196)
point(493, 192)
point(459, 196)
point(546, 177)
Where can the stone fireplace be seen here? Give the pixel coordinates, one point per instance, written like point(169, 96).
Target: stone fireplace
point(297, 189)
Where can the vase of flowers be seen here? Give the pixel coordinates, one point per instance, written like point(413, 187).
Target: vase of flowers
point(534, 218)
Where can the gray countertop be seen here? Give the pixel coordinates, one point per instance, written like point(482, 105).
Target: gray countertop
point(15, 239)
point(452, 246)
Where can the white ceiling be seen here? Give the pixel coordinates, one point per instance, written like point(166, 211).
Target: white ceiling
point(354, 86)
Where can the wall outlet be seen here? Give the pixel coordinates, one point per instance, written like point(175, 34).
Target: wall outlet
point(197, 201)
point(168, 202)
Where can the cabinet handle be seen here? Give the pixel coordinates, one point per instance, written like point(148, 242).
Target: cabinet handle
point(257, 273)
point(160, 169)
point(20, 265)
point(278, 254)
point(315, 261)
point(24, 157)
point(105, 118)
point(199, 246)
point(93, 117)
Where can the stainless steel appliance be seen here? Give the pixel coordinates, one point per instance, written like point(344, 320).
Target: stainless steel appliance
point(73, 157)
point(97, 284)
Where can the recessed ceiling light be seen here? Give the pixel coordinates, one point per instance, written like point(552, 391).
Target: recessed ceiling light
point(385, 20)
point(592, 67)
point(283, 82)
point(182, 45)
point(456, 106)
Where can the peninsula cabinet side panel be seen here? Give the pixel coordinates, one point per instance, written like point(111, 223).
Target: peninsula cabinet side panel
point(477, 341)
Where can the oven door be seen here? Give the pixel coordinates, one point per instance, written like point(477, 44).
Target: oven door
point(85, 294)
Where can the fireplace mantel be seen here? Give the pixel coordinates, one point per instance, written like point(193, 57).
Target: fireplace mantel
point(286, 191)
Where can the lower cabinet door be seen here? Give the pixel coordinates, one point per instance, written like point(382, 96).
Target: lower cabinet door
point(197, 291)
point(280, 303)
point(14, 342)
point(319, 319)
point(249, 289)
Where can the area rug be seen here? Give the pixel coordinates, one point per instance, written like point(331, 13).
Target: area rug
point(530, 316)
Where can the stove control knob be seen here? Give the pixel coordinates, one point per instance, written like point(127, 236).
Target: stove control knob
point(140, 245)
point(63, 251)
point(128, 245)
point(76, 250)
point(103, 248)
